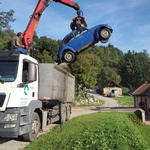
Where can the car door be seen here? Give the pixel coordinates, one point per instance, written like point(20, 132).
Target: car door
point(83, 39)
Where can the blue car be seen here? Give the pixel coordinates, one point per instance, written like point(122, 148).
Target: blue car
point(78, 41)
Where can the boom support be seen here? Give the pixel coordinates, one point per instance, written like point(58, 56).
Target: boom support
point(41, 6)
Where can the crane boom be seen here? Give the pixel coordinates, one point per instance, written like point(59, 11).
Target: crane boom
point(40, 7)
point(69, 3)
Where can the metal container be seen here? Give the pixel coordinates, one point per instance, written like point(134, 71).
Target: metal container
point(55, 83)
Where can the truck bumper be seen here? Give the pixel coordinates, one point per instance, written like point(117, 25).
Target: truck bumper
point(9, 128)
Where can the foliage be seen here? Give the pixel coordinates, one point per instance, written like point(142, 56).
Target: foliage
point(6, 18)
point(5, 37)
point(115, 131)
point(125, 100)
point(108, 74)
point(85, 69)
point(48, 44)
point(134, 69)
point(125, 91)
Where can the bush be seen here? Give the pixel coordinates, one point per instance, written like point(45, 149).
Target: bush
point(125, 91)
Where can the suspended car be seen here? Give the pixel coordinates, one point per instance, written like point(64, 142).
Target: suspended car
point(78, 41)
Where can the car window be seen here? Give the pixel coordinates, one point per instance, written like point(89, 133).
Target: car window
point(77, 33)
point(68, 38)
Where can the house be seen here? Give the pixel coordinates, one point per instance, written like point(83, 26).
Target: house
point(109, 88)
point(141, 96)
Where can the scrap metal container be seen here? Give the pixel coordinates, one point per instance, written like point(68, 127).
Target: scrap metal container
point(55, 83)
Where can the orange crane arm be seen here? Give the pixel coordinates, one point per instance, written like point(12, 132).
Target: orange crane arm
point(41, 6)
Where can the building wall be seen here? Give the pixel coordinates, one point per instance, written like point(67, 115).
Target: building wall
point(108, 90)
point(144, 100)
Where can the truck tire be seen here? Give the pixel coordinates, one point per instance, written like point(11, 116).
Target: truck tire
point(63, 114)
point(34, 128)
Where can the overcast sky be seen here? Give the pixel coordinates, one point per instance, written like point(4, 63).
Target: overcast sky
point(130, 20)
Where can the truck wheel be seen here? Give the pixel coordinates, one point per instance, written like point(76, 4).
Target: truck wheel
point(63, 114)
point(68, 112)
point(34, 128)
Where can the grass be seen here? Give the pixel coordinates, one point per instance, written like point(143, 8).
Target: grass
point(125, 100)
point(98, 131)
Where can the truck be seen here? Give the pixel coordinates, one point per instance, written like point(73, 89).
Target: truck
point(32, 95)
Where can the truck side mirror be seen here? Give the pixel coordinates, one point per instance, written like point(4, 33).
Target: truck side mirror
point(32, 76)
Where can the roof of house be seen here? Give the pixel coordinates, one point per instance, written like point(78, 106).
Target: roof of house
point(142, 90)
point(109, 84)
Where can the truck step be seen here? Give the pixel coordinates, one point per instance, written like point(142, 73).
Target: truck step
point(24, 113)
point(23, 123)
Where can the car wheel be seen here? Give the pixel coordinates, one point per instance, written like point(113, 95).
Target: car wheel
point(104, 33)
point(69, 56)
point(104, 41)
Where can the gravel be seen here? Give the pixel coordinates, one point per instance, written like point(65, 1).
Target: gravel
point(16, 144)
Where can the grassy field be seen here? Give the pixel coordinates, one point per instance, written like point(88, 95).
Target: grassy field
point(98, 131)
point(125, 100)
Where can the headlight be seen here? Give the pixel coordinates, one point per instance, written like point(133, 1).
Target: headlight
point(6, 126)
point(10, 117)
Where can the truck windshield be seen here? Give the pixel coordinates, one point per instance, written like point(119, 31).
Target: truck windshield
point(8, 71)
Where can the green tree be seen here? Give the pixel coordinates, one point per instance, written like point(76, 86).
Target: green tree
point(108, 74)
point(6, 18)
point(48, 44)
point(46, 58)
point(85, 69)
point(5, 37)
point(133, 69)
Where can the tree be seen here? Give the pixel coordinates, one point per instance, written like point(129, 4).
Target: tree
point(5, 37)
point(6, 18)
point(108, 74)
point(134, 69)
point(46, 58)
point(48, 44)
point(85, 69)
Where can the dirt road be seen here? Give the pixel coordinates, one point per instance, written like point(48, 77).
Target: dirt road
point(14, 144)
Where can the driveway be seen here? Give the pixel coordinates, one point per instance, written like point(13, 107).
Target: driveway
point(109, 103)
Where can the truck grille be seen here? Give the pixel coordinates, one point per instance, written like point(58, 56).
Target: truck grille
point(2, 99)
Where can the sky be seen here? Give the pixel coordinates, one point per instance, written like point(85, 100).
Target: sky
point(130, 20)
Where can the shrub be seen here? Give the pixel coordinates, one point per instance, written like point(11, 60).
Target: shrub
point(125, 91)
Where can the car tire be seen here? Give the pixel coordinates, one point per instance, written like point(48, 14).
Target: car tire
point(104, 34)
point(104, 41)
point(68, 56)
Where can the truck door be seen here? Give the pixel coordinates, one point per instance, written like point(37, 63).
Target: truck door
point(30, 88)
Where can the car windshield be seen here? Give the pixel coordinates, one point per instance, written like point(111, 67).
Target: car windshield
point(8, 70)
